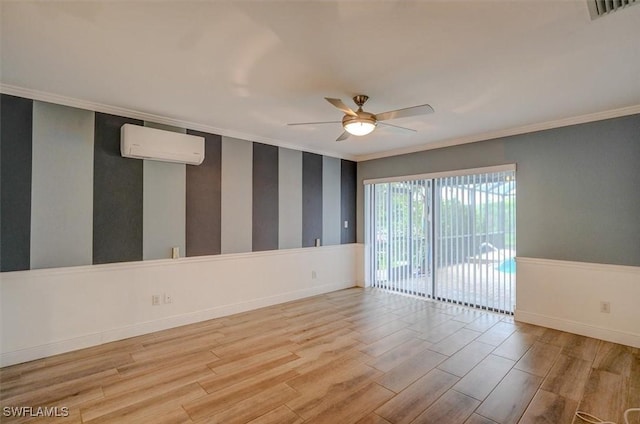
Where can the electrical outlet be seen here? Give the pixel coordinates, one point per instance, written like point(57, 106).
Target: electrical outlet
point(167, 298)
point(314, 275)
point(155, 300)
point(605, 307)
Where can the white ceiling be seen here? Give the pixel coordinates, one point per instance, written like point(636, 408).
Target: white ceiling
point(247, 68)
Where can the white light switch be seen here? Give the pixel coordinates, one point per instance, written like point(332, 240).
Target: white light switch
point(346, 224)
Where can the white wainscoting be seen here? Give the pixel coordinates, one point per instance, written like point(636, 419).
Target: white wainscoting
point(360, 258)
point(566, 296)
point(50, 311)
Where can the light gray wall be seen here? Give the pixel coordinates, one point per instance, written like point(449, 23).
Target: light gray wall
point(163, 205)
point(578, 187)
point(62, 186)
point(331, 208)
point(289, 198)
point(236, 196)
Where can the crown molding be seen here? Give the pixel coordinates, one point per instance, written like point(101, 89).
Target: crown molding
point(565, 122)
point(44, 96)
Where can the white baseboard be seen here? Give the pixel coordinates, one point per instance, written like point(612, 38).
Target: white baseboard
point(566, 296)
point(610, 335)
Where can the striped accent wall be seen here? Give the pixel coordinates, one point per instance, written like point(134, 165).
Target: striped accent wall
point(117, 195)
point(203, 199)
point(163, 204)
point(61, 196)
point(265, 197)
point(68, 197)
point(311, 199)
point(289, 199)
point(16, 121)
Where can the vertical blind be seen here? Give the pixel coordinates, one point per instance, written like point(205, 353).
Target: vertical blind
point(450, 238)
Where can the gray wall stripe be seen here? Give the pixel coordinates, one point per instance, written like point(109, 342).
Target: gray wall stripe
point(15, 182)
point(265, 197)
point(289, 199)
point(331, 212)
point(164, 216)
point(348, 179)
point(117, 195)
point(203, 199)
point(311, 198)
point(236, 195)
point(62, 188)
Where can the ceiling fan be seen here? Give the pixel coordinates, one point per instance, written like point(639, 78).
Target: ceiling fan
point(361, 123)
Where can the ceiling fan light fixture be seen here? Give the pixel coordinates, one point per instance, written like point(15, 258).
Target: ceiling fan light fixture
point(362, 124)
point(360, 128)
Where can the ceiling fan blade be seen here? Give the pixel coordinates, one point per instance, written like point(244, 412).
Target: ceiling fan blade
point(315, 123)
point(343, 136)
point(340, 105)
point(404, 113)
point(404, 129)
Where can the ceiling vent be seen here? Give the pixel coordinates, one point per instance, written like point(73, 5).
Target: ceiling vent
point(599, 8)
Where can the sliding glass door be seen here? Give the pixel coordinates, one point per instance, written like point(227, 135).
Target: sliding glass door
point(399, 236)
point(449, 237)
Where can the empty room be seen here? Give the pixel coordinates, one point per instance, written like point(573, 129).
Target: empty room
point(367, 212)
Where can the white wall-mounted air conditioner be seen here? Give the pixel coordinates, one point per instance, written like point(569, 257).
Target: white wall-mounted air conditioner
point(149, 143)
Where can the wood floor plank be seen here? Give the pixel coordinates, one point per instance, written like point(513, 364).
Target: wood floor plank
point(173, 349)
point(351, 409)
point(47, 376)
point(144, 367)
point(253, 407)
point(479, 419)
point(381, 332)
point(508, 401)
point(389, 342)
point(580, 346)
point(430, 321)
point(465, 359)
point(226, 398)
point(399, 354)
point(412, 401)
point(409, 371)
point(539, 359)
point(484, 322)
point(468, 316)
point(131, 394)
point(482, 379)
point(568, 377)
point(140, 382)
point(374, 419)
point(456, 341)
point(451, 408)
point(218, 382)
point(442, 331)
point(497, 334)
point(162, 408)
point(516, 345)
point(56, 393)
point(547, 407)
point(280, 415)
point(230, 366)
point(328, 384)
point(615, 358)
point(633, 401)
point(604, 396)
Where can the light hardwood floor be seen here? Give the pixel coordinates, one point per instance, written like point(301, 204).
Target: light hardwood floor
point(352, 356)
